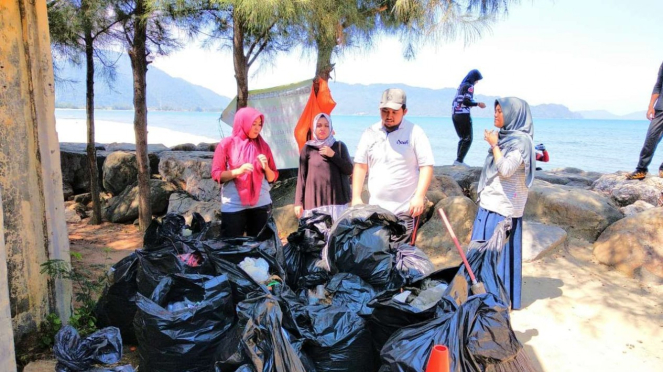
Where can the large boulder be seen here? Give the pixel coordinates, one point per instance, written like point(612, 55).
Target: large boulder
point(151, 148)
point(625, 192)
point(124, 207)
point(441, 187)
point(569, 177)
point(582, 213)
point(119, 171)
point(433, 237)
point(634, 245)
point(462, 175)
point(184, 204)
point(638, 207)
point(74, 166)
point(184, 147)
point(283, 198)
point(191, 172)
point(540, 239)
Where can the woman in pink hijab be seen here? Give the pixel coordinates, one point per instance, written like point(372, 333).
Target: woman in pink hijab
point(244, 165)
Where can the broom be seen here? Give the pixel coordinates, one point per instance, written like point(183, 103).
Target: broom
point(477, 287)
point(520, 362)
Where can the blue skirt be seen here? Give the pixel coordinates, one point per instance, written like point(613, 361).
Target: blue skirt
point(510, 267)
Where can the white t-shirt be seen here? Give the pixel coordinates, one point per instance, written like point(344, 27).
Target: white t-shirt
point(230, 201)
point(393, 161)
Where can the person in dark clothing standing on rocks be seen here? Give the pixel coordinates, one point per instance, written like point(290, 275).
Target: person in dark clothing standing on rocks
point(324, 168)
point(461, 118)
point(654, 133)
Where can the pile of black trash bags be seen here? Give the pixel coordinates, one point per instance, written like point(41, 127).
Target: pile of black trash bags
point(337, 297)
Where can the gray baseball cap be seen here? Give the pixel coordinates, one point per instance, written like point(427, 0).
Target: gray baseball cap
point(393, 98)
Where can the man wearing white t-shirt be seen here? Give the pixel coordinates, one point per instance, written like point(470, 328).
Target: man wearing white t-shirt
point(398, 158)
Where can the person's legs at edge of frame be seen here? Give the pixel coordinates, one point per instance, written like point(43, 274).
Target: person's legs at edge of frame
point(233, 224)
point(463, 126)
point(653, 138)
point(510, 266)
point(409, 222)
point(257, 221)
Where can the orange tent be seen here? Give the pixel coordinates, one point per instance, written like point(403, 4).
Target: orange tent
point(323, 102)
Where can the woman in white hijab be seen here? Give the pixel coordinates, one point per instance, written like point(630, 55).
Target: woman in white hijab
point(324, 167)
point(502, 191)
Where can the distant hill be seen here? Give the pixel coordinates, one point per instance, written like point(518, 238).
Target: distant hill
point(164, 92)
point(358, 99)
point(606, 115)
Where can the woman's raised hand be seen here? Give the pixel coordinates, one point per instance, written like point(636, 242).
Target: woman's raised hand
point(490, 136)
point(263, 161)
point(245, 168)
point(327, 151)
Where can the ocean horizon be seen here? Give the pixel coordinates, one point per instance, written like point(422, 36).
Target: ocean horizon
point(604, 146)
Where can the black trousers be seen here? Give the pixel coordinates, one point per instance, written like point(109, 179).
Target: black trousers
point(463, 125)
point(654, 135)
point(409, 223)
point(250, 221)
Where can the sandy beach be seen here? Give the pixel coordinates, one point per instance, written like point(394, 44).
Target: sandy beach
point(74, 130)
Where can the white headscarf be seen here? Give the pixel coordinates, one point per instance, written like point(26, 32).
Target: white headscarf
point(315, 141)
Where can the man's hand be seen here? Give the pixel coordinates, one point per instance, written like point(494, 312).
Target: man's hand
point(650, 113)
point(327, 151)
point(481, 105)
point(299, 210)
point(263, 161)
point(356, 201)
point(416, 206)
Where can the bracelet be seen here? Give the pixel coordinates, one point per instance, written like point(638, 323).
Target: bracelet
point(493, 146)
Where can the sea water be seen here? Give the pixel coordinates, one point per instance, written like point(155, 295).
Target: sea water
point(593, 145)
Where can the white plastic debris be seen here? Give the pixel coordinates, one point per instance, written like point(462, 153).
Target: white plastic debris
point(258, 269)
point(402, 297)
point(429, 297)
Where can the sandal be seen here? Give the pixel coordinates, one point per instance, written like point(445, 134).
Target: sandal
point(637, 175)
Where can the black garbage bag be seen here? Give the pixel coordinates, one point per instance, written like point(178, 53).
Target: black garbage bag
point(117, 304)
point(477, 334)
point(258, 340)
point(174, 256)
point(361, 243)
point(389, 315)
point(483, 257)
point(340, 340)
point(75, 354)
point(173, 226)
point(303, 252)
point(181, 325)
point(351, 291)
point(125, 368)
point(411, 264)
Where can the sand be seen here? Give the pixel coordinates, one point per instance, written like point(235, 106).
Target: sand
point(74, 130)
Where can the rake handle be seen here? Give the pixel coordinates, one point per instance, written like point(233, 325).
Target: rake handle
point(460, 250)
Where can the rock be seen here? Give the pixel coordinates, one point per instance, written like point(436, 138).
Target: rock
point(568, 176)
point(463, 176)
point(433, 237)
point(634, 245)
point(41, 366)
point(283, 192)
point(210, 147)
point(184, 147)
point(151, 148)
point(124, 207)
point(625, 192)
point(635, 208)
point(286, 221)
point(184, 204)
point(71, 216)
point(191, 172)
point(74, 166)
point(441, 187)
point(67, 191)
point(119, 171)
point(540, 239)
point(582, 213)
point(84, 198)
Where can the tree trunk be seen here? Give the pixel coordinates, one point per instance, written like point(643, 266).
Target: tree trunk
point(239, 60)
point(324, 66)
point(95, 219)
point(138, 56)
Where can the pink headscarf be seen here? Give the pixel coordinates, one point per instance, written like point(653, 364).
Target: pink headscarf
point(239, 149)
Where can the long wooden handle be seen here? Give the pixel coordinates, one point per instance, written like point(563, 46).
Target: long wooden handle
point(460, 250)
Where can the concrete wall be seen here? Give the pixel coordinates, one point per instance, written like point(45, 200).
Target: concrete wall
point(30, 176)
point(7, 356)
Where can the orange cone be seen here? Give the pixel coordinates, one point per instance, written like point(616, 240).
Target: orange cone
point(438, 360)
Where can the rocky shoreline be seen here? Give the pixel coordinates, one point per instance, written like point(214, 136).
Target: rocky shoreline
point(620, 221)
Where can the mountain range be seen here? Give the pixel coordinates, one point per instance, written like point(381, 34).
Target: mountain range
point(167, 93)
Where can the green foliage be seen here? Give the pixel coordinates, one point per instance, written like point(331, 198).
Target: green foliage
point(85, 291)
point(48, 329)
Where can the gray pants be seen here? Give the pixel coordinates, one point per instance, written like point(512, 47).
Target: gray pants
point(654, 135)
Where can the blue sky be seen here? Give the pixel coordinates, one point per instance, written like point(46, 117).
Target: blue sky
point(585, 54)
